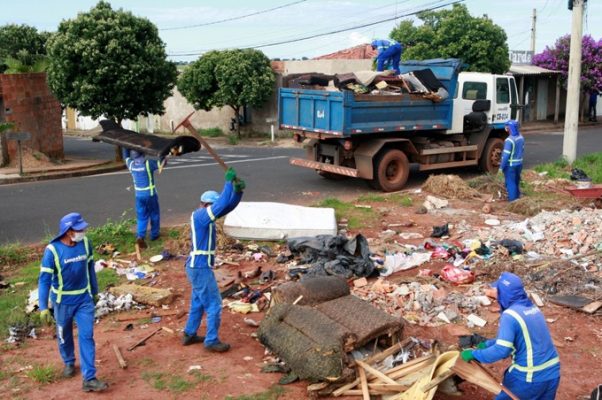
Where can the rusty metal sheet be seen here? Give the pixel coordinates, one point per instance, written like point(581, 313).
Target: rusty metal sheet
point(151, 145)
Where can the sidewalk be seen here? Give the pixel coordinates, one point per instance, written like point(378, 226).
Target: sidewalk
point(549, 126)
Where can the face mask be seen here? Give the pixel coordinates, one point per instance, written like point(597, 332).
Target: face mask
point(78, 236)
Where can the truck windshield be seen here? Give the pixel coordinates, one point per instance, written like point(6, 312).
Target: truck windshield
point(474, 91)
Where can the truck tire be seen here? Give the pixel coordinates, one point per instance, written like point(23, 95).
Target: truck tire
point(492, 155)
point(391, 170)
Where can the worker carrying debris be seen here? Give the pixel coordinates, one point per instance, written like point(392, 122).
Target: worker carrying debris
point(535, 369)
point(147, 201)
point(389, 52)
point(206, 297)
point(512, 159)
point(67, 275)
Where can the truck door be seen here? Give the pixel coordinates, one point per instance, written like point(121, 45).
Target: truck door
point(500, 110)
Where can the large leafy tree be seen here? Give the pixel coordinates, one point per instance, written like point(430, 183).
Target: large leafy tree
point(234, 78)
point(22, 48)
point(455, 33)
point(556, 58)
point(110, 62)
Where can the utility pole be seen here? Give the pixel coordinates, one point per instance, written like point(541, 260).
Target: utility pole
point(571, 121)
point(533, 26)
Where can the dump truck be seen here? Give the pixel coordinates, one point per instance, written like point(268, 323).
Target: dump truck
point(375, 136)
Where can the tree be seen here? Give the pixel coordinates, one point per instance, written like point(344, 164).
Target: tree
point(110, 63)
point(21, 48)
point(455, 34)
point(556, 58)
point(234, 78)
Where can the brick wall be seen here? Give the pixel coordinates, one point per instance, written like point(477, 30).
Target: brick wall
point(29, 104)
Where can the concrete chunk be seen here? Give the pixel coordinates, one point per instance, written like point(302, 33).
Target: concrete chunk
point(145, 295)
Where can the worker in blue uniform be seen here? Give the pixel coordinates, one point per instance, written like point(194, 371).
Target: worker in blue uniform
point(512, 159)
point(205, 296)
point(535, 370)
point(67, 276)
point(147, 200)
point(389, 51)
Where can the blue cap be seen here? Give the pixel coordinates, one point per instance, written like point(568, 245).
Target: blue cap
point(210, 196)
point(70, 221)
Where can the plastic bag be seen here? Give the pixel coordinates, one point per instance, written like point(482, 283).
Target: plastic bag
point(456, 275)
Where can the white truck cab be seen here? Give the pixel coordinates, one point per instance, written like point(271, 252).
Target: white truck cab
point(499, 90)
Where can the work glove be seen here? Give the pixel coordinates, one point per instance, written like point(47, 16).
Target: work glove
point(239, 185)
point(46, 318)
point(230, 174)
point(482, 345)
point(95, 299)
point(467, 355)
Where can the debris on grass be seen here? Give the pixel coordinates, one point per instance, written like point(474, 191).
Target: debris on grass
point(450, 186)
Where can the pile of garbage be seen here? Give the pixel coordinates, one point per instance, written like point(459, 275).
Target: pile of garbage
point(557, 233)
point(108, 303)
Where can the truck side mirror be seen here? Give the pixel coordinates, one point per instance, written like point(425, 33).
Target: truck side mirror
point(481, 105)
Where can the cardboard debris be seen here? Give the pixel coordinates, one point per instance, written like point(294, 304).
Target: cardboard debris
point(145, 295)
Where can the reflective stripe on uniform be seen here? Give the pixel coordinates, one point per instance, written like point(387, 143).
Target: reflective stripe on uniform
point(151, 184)
point(48, 270)
point(210, 212)
point(504, 343)
point(530, 368)
point(57, 263)
point(193, 233)
point(511, 159)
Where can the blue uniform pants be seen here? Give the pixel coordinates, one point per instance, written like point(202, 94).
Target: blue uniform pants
point(205, 299)
point(512, 179)
point(83, 314)
point(392, 53)
point(529, 391)
point(147, 207)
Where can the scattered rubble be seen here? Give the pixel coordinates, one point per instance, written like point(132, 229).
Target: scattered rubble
point(108, 303)
point(144, 295)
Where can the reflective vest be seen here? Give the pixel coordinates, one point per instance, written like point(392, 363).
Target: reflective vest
point(149, 173)
point(57, 263)
point(515, 154)
point(200, 249)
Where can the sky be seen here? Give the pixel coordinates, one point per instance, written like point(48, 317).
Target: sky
point(295, 19)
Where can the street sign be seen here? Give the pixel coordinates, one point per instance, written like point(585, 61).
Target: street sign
point(18, 136)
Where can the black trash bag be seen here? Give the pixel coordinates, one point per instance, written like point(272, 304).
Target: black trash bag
point(468, 341)
point(333, 255)
point(439, 231)
point(483, 250)
point(578, 175)
point(513, 246)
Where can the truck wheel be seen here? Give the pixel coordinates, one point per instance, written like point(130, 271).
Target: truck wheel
point(391, 170)
point(492, 155)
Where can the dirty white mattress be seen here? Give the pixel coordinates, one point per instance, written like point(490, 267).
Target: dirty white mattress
point(277, 221)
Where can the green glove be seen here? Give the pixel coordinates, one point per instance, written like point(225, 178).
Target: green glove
point(46, 318)
point(230, 174)
point(467, 355)
point(239, 186)
point(482, 345)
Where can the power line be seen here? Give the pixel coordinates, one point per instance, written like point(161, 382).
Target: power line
point(232, 18)
point(335, 31)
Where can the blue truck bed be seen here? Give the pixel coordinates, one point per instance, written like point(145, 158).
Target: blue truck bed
point(345, 113)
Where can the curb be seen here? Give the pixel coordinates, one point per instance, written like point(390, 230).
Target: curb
point(63, 174)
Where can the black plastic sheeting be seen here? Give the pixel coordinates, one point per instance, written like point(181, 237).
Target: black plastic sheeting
point(332, 255)
point(151, 145)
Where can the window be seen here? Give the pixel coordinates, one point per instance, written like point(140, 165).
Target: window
point(474, 91)
point(502, 91)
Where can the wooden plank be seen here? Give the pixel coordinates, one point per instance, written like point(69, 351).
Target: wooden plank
point(537, 299)
point(410, 370)
point(396, 348)
point(364, 384)
point(592, 307)
point(143, 340)
point(387, 388)
point(344, 388)
point(437, 380)
point(473, 374)
point(122, 363)
point(376, 373)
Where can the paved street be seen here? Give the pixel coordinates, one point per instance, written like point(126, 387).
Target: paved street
point(30, 211)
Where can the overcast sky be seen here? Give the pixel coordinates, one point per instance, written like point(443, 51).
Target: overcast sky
point(296, 19)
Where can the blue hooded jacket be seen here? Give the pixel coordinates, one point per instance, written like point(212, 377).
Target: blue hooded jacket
point(523, 333)
point(142, 171)
point(514, 147)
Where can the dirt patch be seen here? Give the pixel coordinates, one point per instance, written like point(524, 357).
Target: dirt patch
point(449, 186)
point(33, 160)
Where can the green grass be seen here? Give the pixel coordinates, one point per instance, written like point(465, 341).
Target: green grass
point(233, 139)
point(13, 301)
point(590, 163)
point(43, 373)
point(14, 253)
point(119, 233)
point(155, 379)
point(107, 278)
point(211, 132)
point(272, 393)
point(356, 217)
point(372, 197)
point(405, 201)
point(174, 383)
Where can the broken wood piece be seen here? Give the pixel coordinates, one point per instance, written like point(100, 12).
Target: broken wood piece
point(388, 388)
point(168, 330)
point(122, 363)
point(340, 391)
point(537, 299)
point(364, 384)
point(317, 386)
point(298, 299)
point(410, 367)
point(437, 380)
point(474, 373)
point(138, 256)
point(381, 376)
point(228, 262)
point(592, 307)
point(396, 348)
point(143, 340)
